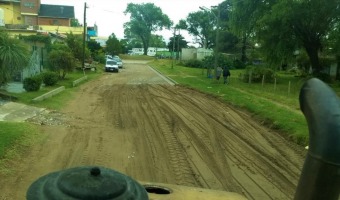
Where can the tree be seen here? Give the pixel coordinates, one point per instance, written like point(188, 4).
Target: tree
point(157, 41)
point(308, 23)
point(277, 39)
point(333, 43)
point(13, 57)
point(201, 24)
point(286, 25)
point(145, 18)
point(94, 48)
point(75, 43)
point(243, 19)
point(227, 40)
point(179, 44)
point(311, 21)
point(131, 40)
point(75, 23)
point(61, 59)
point(113, 46)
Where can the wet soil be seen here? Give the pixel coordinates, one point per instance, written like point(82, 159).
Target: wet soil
point(137, 123)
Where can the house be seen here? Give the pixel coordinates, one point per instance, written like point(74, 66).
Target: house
point(92, 31)
point(27, 17)
point(195, 53)
point(30, 17)
point(151, 51)
point(57, 15)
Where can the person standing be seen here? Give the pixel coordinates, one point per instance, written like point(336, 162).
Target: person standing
point(218, 73)
point(226, 73)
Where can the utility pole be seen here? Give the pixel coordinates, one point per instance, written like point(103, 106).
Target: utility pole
point(173, 48)
point(84, 38)
point(217, 38)
point(179, 33)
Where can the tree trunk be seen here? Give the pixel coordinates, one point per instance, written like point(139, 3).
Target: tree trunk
point(243, 49)
point(145, 47)
point(312, 49)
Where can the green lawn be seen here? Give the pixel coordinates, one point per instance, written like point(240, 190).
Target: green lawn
point(15, 138)
point(57, 102)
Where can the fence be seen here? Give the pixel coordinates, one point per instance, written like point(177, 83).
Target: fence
point(284, 89)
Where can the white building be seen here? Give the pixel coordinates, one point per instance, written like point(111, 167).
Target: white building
point(151, 51)
point(193, 53)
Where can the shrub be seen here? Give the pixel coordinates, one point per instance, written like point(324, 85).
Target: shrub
point(222, 60)
point(32, 83)
point(237, 64)
point(100, 57)
point(193, 63)
point(50, 78)
point(257, 72)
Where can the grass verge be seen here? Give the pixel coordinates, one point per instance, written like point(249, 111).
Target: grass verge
point(16, 138)
point(58, 101)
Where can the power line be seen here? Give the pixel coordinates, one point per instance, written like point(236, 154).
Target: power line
point(101, 9)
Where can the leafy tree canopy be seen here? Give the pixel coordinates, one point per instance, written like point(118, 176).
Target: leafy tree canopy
point(177, 43)
point(75, 43)
point(94, 48)
point(281, 27)
point(75, 23)
point(113, 45)
point(145, 18)
point(61, 59)
point(157, 41)
point(201, 24)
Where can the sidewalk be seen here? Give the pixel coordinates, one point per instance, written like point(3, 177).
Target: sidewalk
point(17, 112)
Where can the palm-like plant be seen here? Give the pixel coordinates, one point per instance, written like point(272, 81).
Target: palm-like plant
point(13, 57)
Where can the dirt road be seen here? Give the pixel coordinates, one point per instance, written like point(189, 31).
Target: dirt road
point(137, 123)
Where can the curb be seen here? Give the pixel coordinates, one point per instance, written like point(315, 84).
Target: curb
point(49, 94)
point(76, 82)
point(167, 79)
point(58, 90)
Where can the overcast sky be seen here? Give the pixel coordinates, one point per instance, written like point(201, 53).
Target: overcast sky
point(109, 14)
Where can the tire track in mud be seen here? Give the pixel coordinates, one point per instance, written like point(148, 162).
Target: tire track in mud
point(180, 136)
point(207, 146)
point(281, 176)
point(255, 158)
point(181, 168)
point(144, 120)
point(254, 154)
point(264, 158)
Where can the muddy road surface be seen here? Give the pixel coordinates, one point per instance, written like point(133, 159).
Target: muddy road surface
point(140, 124)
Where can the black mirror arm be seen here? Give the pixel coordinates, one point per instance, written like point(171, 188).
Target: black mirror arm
point(320, 177)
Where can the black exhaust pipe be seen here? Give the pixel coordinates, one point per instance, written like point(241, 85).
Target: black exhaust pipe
point(320, 177)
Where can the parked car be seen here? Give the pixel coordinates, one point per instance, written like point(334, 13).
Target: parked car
point(119, 61)
point(108, 57)
point(111, 66)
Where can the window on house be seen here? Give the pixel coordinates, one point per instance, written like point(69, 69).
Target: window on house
point(29, 5)
point(18, 18)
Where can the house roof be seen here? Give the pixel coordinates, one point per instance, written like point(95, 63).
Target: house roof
point(56, 11)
